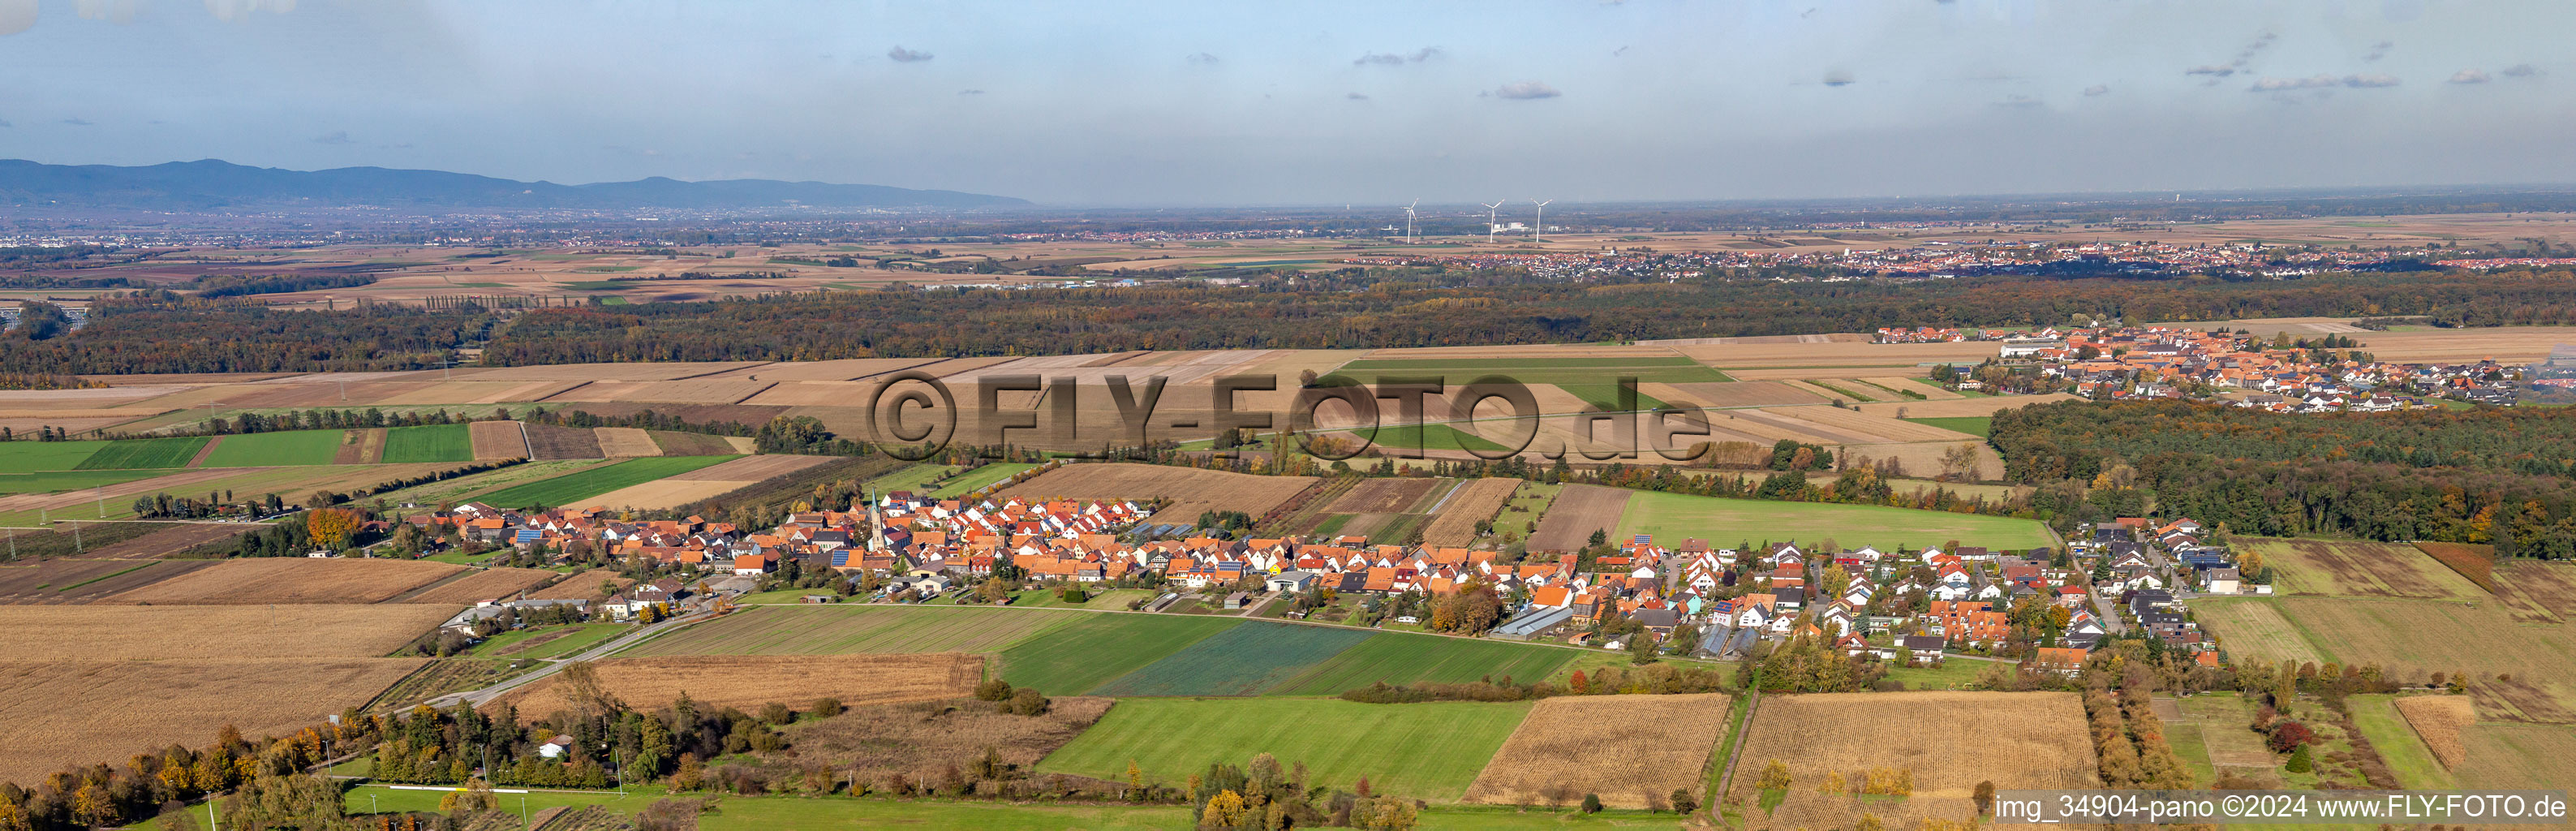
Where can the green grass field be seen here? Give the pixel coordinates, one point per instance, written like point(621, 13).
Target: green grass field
point(841, 629)
point(2405, 753)
point(584, 484)
point(22, 455)
point(1424, 751)
point(1098, 647)
point(1244, 660)
point(145, 453)
point(290, 448)
point(1398, 658)
point(429, 443)
point(912, 478)
point(54, 481)
point(1971, 425)
point(1672, 516)
point(975, 479)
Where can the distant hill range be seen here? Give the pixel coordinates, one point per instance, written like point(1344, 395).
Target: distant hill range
point(212, 184)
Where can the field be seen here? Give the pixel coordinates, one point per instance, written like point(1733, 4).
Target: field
point(485, 584)
point(748, 681)
point(1424, 751)
point(82, 580)
point(1474, 502)
point(429, 443)
point(1972, 425)
point(583, 585)
point(1383, 496)
point(622, 442)
point(1578, 511)
point(2441, 721)
point(2403, 748)
point(2250, 627)
point(1591, 378)
point(2034, 741)
point(46, 455)
point(135, 633)
point(290, 448)
point(290, 580)
point(846, 629)
point(1672, 517)
point(145, 453)
point(1406, 658)
point(2519, 756)
point(589, 483)
point(925, 738)
point(1095, 648)
point(1190, 490)
point(58, 481)
point(552, 442)
point(2538, 592)
point(979, 478)
point(692, 444)
point(1244, 660)
point(2354, 568)
point(1632, 750)
point(2411, 639)
point(497, 440)
point(1436, 437)
point(68, 712)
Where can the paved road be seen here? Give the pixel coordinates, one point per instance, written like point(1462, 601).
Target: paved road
point(553, 665)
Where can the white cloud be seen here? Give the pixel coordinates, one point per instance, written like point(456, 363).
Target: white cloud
point(2323, 82)
point(902, 55)
point(230, 11)
point(1392, 59)
point(2469, 76)
point(2521, 70)
point(1526, 91)
point(17, 16)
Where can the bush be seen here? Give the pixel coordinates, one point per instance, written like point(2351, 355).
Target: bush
point(1592, 803)
point(827, 707)
point(993, 690)
point(1027, 702)
point(2290, 734)
point(2299, 761)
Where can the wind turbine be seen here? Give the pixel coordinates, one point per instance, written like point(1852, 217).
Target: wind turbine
point(1408, 222)
point(1540, 223)
point(1489, 218)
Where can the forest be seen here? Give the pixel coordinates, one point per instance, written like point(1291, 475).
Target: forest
point(2500, 476)
point(160, 332)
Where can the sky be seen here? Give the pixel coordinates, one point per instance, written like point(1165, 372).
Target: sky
point(1316, 102)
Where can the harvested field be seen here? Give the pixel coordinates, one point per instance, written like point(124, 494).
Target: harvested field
point(81, 712)
point(844, 369)
point(1672, 516)
point(361, 447)
point(1578, 511)
point(1477, 501)
point(168, 539)
point(81, 580)
point(583, 585)
point(2356, 568)
point(181, 482)
point(1382, 496)
point(497, 440)
point(852, 629)
point(751, 468)
point(625, 442)
point(2518, 756)
point(615, 372)
point(1855, 352)
point(2539, 592)
point(693, 413)
point(1190, 490)
point(692, 391)
point(1632, 750)
point(690, 444)
point(291, 580)
point(748, 681)
point(141, 633)
point(475, 392)
point(486, 584)
point(1983, 406)
point(1914, 385)
point(1923, 458)
point(2440, 720)
point(2034, 741)
point(1870, 429)
point(925, 738)
point(2476, 563)
point(667, 493)
point(552, 442)
point(1730, 394)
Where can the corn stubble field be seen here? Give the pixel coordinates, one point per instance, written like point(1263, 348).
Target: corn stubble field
point(291, 580)
point(61, 712)
point(1951, 740)
point(1631, 750)
point(748, 681)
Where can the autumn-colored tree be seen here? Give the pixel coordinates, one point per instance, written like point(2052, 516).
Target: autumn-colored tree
point(1775, 777)
point(1223, 811)
point(331, 527)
